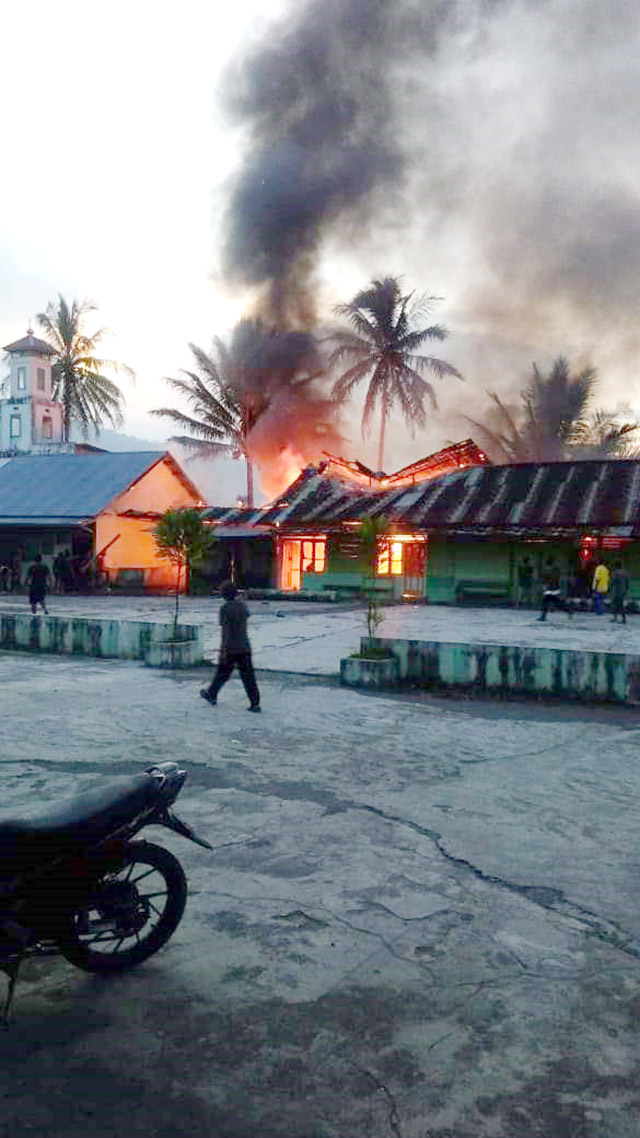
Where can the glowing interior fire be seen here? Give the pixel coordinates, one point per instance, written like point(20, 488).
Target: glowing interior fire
point(280, 470)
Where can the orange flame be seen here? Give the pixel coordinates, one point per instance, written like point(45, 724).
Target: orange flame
point(280, 470)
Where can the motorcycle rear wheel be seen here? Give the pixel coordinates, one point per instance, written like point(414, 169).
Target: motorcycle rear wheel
point(126, 921)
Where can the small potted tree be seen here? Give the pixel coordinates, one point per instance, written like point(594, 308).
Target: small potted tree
point(372, 666)
point(183, 538)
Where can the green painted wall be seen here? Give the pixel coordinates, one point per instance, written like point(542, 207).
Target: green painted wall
point(453, 561)
point(346, 570)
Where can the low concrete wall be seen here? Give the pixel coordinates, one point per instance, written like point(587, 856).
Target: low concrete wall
point(122, 639)
point(500, 667)
point(361, 673)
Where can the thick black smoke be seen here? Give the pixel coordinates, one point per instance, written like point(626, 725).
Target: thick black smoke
point(316, 102)
point(486, 149)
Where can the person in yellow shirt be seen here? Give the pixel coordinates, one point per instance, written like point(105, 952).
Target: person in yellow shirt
point(600, 587)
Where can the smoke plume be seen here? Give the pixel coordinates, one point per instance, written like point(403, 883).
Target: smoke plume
point(486, 149)
point(315, 102)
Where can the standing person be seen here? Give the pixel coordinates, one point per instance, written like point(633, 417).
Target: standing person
point(37, 579)
point(600, 587)
point(525, 582)
point(619, 589)
point(16, 569)
point(58, 586)
point(552, 596)
point(235, 649)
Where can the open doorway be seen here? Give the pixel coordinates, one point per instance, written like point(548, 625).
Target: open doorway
point(298, 556)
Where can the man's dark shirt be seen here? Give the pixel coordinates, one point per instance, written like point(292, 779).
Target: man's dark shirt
point(551, 577)
point(38, 575)
point(233, 618)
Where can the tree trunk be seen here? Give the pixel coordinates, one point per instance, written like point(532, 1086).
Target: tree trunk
point(175, 618)
point(383, 423)
point(249, 481)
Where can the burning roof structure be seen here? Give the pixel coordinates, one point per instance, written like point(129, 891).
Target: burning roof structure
point(339, 479)
point(546, 498)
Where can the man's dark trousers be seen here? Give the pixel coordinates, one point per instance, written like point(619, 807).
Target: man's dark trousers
point(244, 663)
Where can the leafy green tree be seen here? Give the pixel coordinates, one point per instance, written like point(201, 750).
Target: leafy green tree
point(184, 539)
point(89, 398)
point(382, 346)
point(371, 531)
point(555, 422)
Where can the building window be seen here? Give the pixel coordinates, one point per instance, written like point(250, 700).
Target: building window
point(22, 379)
point(15, 428)
point(40, 379)
point(47, 427)
point(298, 556)
point(389, 559)
point(313, 555)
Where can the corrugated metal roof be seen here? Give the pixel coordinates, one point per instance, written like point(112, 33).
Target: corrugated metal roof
point(67, 487)
point(541, 497)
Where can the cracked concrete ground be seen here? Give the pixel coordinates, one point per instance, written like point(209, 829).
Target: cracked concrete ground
point(420, 918)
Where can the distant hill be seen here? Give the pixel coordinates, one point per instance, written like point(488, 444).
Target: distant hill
point(114, 440)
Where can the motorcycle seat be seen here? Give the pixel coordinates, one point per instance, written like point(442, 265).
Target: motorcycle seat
point(89, 816)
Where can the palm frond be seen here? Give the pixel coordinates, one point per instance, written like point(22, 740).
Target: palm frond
point(203, 430)
point(89, 397)
point(344, 386)
point(202, 447)
point(439, 367)
point(381, 345)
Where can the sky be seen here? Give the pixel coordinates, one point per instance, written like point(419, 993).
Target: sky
point(515, 198)
point(112, 159)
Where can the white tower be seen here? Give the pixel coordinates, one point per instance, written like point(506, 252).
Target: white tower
point(30, 421)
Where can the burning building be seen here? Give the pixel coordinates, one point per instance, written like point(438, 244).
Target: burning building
point(456, 527)
point(311, 530)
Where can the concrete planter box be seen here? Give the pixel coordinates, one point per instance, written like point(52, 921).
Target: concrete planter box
point(79, 636)
point(358, 672)
point(174, 654)
point(567, 673)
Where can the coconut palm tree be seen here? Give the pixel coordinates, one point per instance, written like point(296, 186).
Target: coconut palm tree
point(88, 397)
point(387, 331)
point(227, 395)
point(554, 421)
point(606, 433)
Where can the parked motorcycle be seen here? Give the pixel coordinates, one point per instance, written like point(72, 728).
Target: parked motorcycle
point(73, 882)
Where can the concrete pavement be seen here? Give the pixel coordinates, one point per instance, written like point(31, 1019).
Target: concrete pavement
point(420, 918)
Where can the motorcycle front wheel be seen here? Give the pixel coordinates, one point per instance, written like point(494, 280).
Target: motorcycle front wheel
point(131, 913)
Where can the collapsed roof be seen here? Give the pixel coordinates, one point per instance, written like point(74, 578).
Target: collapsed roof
point(554, 497)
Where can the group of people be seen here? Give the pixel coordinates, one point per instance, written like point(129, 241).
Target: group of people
point(11, 572)
point(601, 583)
point(63, 572)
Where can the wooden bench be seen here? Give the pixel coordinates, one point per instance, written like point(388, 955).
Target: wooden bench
point(488, 592)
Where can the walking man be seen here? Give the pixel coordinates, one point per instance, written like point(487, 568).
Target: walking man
point(552, 596)
point(37, 579)
point(619, 590)
point(235, 650)
point(600, 587)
